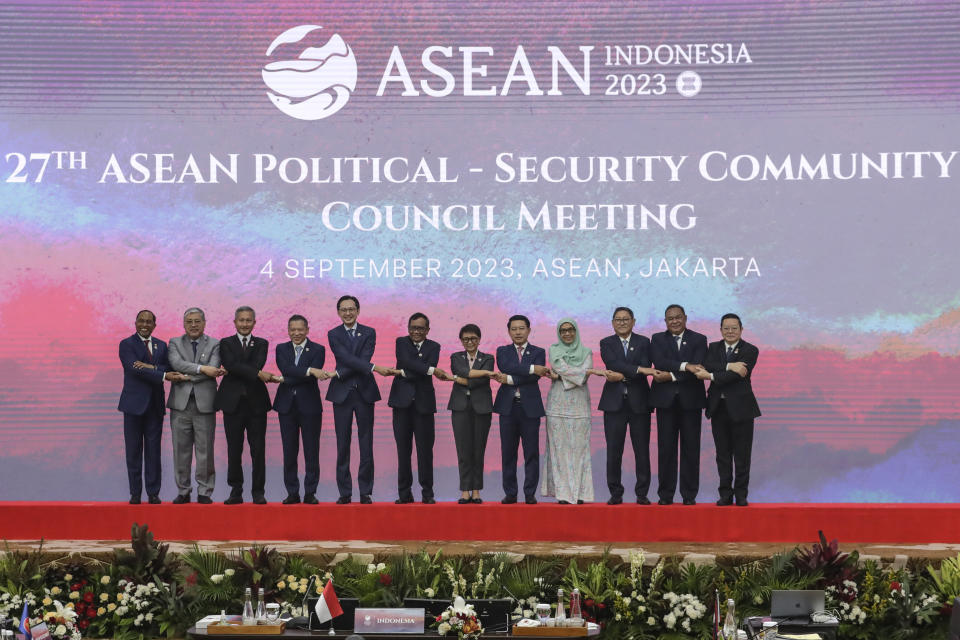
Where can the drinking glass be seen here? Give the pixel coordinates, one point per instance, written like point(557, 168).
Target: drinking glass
point(273, 612)
point(543, 613)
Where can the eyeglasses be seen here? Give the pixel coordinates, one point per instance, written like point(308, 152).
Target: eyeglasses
point(570, 330)
point(348, 309)
point(417, 329)
point(622, 320)
point(469, 339)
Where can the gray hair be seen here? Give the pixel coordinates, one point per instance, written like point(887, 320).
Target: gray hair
point(194, 310)
point(242, 309)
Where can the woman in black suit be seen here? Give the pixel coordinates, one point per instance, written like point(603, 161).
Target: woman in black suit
point(471, 404)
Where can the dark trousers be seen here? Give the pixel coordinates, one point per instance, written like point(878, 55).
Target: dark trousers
point(734, 442)
point(141, 437)
point(515, 428)
point(254, 423)
point(295, 426)
point(673, 423)
point(615, 425)
point(409, 426)
point(470, 432)
point(343, 415)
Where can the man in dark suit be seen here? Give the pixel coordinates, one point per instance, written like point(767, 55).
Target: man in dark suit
point(624, 402)
point(353, 392)
point(520, 407)
point(679, 398)
point(731, 407)
point(244, 400)
point(471, 409)
point(145, 367)
point(414, 404)
point(299, 408)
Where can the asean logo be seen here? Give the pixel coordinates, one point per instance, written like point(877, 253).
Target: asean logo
point(318, 82)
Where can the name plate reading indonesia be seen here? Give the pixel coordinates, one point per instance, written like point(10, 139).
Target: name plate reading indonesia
point(388, 621)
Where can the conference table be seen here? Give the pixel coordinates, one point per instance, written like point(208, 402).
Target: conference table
point(290, 634)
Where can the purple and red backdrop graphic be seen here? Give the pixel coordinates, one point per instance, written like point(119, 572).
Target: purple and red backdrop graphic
point(792, 162)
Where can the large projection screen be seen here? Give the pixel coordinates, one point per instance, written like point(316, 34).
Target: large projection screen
point(792, 162)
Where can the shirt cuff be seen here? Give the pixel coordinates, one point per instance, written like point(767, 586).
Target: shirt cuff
point(403, 374)
point(198, 369)
point(673, 377)
point(510, 380)
point(531, 369)
point(430, 371)
point(683, 366)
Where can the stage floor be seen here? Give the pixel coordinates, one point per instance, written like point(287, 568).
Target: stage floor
point(789, 524)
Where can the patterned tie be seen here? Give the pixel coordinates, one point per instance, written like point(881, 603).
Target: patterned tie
point(194, 343)
point(352, 333)
point(626, 346)
point(296, 358)
point(146, 344)
point(519, 353)
point(678, 339)
point(730, 354)
point(245, 342)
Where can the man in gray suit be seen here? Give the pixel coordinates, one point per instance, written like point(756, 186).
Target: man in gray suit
point(193, 417)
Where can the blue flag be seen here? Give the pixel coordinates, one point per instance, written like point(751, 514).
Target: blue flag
point(24, 625)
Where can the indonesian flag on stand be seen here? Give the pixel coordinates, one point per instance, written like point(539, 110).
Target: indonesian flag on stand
point(328, 607)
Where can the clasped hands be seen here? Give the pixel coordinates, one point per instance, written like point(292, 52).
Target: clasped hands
point(739, 368)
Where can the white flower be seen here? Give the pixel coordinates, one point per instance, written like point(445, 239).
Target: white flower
point(105, 580)
point(670, 620)
point(686, 625)
point(68, 577)
point(216, 578)
point(618, 617)
point(651, 621)
point(381, 566)
point(74, 595)
point(443, 628)
point(445, 615)
point(148, 617)
point(291, 578)
point(626, 601)
point(60, 630)
point(229, 572)
point(429, 592)
point(528, 613)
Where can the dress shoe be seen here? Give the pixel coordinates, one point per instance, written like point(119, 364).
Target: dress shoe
point(477, 500)
point(233, 500)
point(665, 501)
point(689, 501)
point(579, 501)
point(562, 502)
point(465, 501)
point(615, 500)
point(204, 500)
point(310, 499)
point(134, 499)
point(399, 500)
point(724, 502)
point(742, 502)
point(365, 499)
point(506, 500)
point(181, 499)
point(259, 499)
point(530, 500)
point(153, 499)
point(343, 500)
point(290, 499)
point(428, 501)
point(643, 500)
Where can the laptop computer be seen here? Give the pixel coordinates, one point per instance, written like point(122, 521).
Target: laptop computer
point(796, 605)
point(494, 614)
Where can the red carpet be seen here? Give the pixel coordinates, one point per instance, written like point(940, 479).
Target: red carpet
point(791, 523)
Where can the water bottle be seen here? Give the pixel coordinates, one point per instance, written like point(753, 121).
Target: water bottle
point(730, 623)
point(560, 619)
point(261, 609)
point(576, 616)
point(247, 617)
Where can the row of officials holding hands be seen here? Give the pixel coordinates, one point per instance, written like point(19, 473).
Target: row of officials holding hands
point(677, 363)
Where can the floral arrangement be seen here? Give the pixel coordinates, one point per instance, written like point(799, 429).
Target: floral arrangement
point(148, 593)
point(459, 618)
